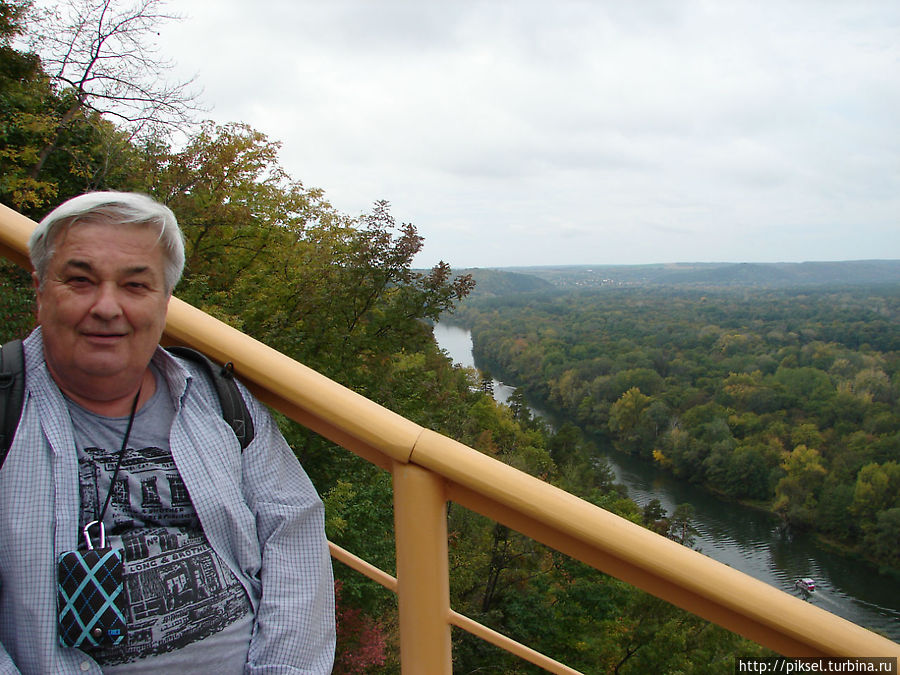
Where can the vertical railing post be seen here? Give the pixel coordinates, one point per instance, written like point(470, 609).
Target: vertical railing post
point(423, 583)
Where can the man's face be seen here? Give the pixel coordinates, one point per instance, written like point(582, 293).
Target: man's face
point(103, 306)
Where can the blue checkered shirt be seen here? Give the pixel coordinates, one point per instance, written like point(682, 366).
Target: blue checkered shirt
point(258, 509)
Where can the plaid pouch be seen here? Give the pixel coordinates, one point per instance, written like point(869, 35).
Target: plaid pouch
point(91, 598)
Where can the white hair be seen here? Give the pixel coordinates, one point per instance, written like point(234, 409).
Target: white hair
point(115, 208)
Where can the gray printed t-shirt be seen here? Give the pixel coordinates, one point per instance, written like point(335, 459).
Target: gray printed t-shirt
point(185, 608)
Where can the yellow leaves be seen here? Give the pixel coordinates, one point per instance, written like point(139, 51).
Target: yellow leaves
point(660, 458)
point(872, 384)
point(732, 343)
point(803, 461)
point(625, 413)
point(740, 387)
point(336, 502)
point(877, 489)
point(28, 193)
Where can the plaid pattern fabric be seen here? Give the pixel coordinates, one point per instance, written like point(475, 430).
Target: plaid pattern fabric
point(91, 598)
point(258, 509)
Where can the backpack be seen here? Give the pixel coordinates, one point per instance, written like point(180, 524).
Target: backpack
point(12, 392)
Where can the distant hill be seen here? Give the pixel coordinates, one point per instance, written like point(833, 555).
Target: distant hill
point(493, 282)
point(762, 275)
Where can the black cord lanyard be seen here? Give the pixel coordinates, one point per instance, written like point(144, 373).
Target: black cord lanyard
point(112, 483)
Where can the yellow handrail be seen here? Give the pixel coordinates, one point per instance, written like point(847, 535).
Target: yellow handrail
point(445, 470)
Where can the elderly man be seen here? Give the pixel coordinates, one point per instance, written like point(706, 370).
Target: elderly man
point(225, 563)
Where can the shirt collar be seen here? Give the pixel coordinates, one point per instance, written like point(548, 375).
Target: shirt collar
point(176, 375)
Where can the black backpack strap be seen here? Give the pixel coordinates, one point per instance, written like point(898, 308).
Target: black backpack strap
point(12, 392)
point(234, 409)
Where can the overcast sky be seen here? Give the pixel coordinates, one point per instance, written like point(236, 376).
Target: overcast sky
point(563, 132)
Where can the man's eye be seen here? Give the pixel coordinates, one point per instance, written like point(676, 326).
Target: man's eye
point(79, 281)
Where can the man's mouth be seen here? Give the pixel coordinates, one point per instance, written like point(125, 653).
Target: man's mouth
point(104, 337)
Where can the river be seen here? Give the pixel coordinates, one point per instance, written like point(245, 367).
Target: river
point(744, 538)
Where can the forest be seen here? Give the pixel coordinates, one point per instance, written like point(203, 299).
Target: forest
point(783, 398)
point(272, 257)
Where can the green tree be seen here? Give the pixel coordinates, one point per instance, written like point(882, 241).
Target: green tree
point(834, 515)
point(877, 489)
point(797, 493)
point(275, 259)
point(747, 473)
point(626, 417)
point(654, 517)
point(807, 434)
point(883, 539)
point(17, 309)
point(519, 406)
point(24, 94)
point(681, 525)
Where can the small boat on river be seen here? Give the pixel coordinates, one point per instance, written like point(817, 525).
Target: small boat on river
point(805, 584)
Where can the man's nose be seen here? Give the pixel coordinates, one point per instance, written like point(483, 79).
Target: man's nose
point(106, 305)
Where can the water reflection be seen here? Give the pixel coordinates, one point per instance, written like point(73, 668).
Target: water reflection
point(457, 342)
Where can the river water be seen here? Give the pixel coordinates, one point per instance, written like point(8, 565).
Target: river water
point(742, 537)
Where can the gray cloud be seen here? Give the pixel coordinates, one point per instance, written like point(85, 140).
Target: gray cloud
point(577, 132)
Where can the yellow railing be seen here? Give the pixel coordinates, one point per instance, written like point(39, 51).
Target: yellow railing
point(429, 470)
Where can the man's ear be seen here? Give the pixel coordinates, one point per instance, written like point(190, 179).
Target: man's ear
point(37, 289)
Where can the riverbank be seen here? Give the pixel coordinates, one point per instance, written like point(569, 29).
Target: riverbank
point(854, 551)
point(744, 536)
point(836, 546)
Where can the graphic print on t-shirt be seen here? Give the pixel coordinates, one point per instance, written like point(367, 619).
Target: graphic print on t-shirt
point(177, 588)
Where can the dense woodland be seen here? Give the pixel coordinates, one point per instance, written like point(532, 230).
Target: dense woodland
point(786, 398)
point(336, 291)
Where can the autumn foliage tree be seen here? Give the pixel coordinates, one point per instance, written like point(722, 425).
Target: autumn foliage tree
point(361, 642)
point(275, 259)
